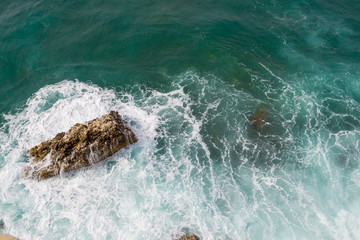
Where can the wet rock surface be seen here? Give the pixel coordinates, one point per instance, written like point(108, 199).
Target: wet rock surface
point(189, 237)
point(82, 146)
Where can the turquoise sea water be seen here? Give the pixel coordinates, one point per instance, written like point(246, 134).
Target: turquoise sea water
point(188, 76)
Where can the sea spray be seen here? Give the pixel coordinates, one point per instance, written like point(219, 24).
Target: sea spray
point(199, 166)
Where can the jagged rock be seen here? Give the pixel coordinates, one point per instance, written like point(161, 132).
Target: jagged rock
point(82, 146)
point(189, 237)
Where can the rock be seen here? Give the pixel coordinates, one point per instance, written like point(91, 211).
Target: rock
point(259, 119)
point(82, 146)
point(7, 237)
point(189, 237)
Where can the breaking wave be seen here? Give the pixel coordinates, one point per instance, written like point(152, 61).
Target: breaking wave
point(199, 166)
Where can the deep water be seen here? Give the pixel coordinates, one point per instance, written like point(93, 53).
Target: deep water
point(189, 77)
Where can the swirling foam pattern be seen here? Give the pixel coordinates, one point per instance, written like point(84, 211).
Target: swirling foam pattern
point(199, 166)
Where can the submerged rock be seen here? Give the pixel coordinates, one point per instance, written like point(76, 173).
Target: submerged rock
point(259, 119)
point(82, 146)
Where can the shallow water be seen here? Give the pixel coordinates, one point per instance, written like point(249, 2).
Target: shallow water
point(188, 77)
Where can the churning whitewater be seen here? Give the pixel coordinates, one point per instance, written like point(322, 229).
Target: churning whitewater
point(199, 166)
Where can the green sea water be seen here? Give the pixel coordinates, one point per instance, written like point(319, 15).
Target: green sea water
point(189, 77)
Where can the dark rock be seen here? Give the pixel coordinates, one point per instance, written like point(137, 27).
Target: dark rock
point(82, 146)
point(189, 237)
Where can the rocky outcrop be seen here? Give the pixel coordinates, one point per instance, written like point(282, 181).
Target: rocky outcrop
point(82, 146)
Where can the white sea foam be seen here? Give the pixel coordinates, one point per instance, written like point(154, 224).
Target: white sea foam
point(116, 199)
point(53, 109)
point(198, 167)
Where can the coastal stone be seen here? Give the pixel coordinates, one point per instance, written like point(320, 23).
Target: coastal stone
point(82, 146)
point(7, 237)
point(259, 119)
point(189, 237)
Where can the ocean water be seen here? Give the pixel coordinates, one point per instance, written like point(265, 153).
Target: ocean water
point(188, 76)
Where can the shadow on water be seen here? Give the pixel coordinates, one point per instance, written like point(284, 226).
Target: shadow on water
point(2, 224)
